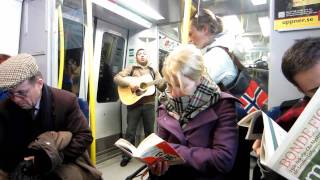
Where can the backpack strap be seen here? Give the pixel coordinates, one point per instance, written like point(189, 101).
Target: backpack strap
point(232, 56)
point(153, 75)
point(133, 68)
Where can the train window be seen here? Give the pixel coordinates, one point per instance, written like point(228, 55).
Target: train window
point(168, 40)
point(73, 18)
point(111, 63)
point(73, 56)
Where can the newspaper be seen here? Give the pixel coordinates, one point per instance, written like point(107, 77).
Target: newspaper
point(294, 154)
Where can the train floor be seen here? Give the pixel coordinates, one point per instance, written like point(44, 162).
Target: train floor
point(112, 170)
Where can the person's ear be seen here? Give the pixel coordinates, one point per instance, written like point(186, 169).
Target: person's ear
point(40, 82)
point(205, 29)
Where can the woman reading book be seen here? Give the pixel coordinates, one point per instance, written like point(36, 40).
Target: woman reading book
point(196, 118)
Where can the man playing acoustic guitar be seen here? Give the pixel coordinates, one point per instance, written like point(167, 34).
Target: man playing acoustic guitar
point(136, 87)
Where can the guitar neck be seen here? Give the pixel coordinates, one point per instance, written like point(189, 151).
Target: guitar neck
point(153, 82)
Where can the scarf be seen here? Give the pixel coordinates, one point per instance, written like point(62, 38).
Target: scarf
point(287, 119)
point(187, 107)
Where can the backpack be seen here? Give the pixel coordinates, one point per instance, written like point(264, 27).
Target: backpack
point(251, 95)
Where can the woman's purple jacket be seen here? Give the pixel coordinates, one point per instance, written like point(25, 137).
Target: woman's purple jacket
point(209, 142)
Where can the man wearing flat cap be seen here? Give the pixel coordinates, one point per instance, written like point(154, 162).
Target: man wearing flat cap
point(43, 132)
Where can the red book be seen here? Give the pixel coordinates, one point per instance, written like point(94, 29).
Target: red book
point(151, 150)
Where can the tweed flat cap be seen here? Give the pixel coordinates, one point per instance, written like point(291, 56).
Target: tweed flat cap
point(17, 69)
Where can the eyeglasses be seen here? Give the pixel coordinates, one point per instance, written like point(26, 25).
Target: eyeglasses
point(20, 93)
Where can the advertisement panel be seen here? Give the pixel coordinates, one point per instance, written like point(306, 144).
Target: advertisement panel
point(296, 14)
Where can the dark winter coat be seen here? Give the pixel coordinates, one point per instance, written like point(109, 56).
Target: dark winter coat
point(59, 111)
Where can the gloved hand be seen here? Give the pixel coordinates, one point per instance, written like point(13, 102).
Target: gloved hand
point(47, 150)
point(25, 170)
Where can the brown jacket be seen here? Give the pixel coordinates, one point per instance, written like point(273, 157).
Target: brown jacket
point(59, 111)
point(53, 143)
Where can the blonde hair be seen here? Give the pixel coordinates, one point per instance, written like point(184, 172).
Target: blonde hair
point(186, 60)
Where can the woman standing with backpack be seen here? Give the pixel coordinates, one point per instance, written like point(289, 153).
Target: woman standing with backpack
point(206, 34)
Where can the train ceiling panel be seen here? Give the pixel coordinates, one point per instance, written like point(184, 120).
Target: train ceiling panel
point(169, 9)
point(227, 7)
point(114, 17)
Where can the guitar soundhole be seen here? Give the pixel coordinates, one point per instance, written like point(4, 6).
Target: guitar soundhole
point(139, 92)
point(143, 85)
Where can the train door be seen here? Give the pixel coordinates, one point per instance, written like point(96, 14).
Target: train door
point(109, 57)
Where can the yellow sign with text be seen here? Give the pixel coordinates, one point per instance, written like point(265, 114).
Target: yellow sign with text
point(297, 23)
point(297, 3)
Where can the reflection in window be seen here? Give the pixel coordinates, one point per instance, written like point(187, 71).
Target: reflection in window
point(255, 55)
point(110, 64)
point(73, 42)
point(162, 56)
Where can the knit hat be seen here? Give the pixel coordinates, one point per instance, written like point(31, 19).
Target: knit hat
point(17, 69)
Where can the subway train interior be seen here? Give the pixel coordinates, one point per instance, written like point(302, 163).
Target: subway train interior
point(92, 40)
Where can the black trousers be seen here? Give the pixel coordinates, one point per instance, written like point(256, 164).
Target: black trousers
point(144, 112)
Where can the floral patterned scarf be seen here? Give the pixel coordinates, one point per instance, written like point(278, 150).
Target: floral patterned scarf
point(187, 107)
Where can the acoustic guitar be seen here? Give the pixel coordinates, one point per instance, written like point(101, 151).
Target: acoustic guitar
point(146, 88)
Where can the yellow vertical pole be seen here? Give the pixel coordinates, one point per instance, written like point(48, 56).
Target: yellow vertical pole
point(186, 21)
point(61, 39)
point(89, 56)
